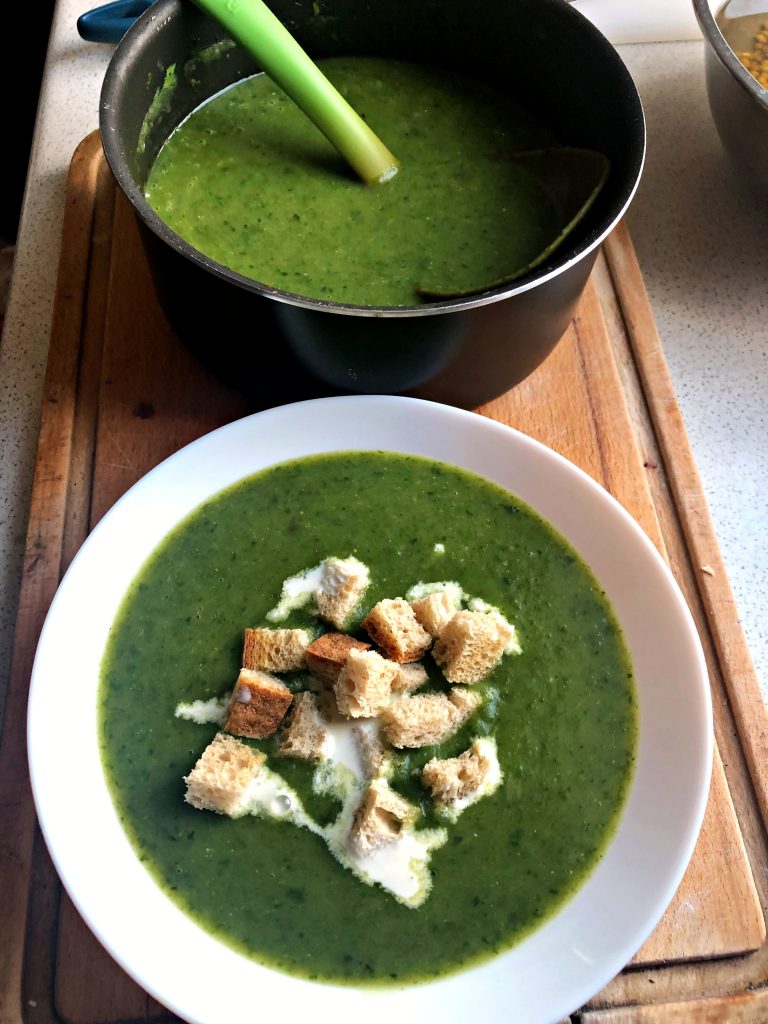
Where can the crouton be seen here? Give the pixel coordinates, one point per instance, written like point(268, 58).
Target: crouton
point(436, 611)
point(507, 631)
point(428, 718)
point(370, 748)
point(328, 708)
point(380, 818)
point(464, 700)
point(364, 684)
point(392, 625)
point(471, 645)
point(329, 652)
point(410, 677)
point(456, 778)
point(220, 779)
point(304, 736)
point(275, 650)
point(342, 585)
point(258, 704)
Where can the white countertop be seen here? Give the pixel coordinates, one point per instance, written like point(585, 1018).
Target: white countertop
point(700, 239)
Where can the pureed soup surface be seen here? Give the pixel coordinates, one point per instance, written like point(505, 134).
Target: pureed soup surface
point(249, 181)
point(562, 713)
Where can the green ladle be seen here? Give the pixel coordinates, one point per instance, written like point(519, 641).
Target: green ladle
point(257, 29)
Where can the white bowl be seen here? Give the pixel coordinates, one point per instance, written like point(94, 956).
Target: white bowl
point(547, 975)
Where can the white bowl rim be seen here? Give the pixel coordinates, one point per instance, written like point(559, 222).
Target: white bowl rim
point(656, 863)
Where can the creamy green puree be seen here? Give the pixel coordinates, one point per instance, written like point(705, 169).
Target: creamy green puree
point(249, 180)
point(562, 713)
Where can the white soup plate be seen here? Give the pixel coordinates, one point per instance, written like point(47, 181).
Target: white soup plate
point(547, 975)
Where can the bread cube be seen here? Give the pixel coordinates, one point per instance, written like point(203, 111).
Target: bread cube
point(328, 708)
point(410, 677)
point(380, 819)
point(393, 626)
point(470, 645)
point(305, 735)
point(258, 705)
point(219, 781)
point(464, 700)
point(507, 632)
point(428, 718)
point(328, 653)
point(275, 650)
point(342, 585)
point(370, 748)
point(436, 611)
point(364, 684)
point(456, 778)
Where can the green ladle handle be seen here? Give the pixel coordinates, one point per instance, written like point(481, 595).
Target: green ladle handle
point(257, 29)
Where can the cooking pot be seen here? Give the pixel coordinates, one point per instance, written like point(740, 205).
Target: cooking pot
point(281, 346)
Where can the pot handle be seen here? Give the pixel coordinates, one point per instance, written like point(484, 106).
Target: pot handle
point(109, 23)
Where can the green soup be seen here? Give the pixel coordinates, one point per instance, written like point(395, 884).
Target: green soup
point(562, 713)
point(248, 180)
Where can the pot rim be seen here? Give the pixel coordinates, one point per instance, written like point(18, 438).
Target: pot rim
point(116, 159)
point(725, 53)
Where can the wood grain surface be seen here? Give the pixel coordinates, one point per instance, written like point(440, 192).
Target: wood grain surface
point(122, 393)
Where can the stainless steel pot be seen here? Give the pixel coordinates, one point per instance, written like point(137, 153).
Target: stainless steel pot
point(738, 102)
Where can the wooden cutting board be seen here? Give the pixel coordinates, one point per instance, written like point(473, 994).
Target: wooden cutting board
point(122, 393)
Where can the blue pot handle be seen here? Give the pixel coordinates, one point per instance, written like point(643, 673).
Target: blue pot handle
point(109, 23)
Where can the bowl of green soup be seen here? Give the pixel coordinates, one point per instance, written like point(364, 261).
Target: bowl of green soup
point(452, 281)
point(591, 722)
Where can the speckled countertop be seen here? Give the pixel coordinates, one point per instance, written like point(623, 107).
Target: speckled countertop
point(702, 244)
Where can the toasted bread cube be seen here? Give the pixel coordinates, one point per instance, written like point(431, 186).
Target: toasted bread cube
point(329, 652)
point(364, 684)
point(305, 735)
point(436, 611)
point(507, 632)
point(328, 708)
point(220, 779)
point(456, 778)
point(258, 704)
point(464, 700)
point(410, 677)
point(471, 645)
point(370, 748)
point(380, 819)
point(392, 625)
point(427, 718)
point(342, 585)
point(275, 650)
